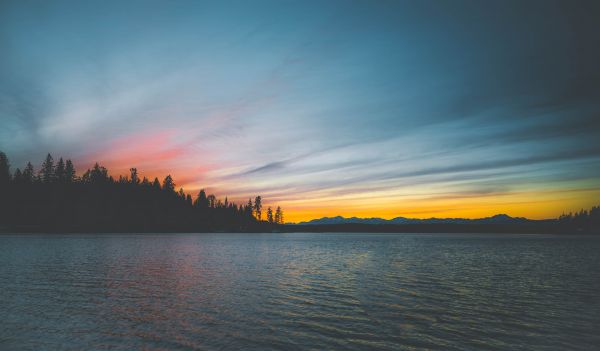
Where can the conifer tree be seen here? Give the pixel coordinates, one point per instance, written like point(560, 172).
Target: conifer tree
point(201, 200)
point(258, 207)
point(135, 179)
point(47, 172)
point(278, 215)
point(4, 169)
point(99, 174)
point(96, 201)
point(156, 184)
point(28, 173)
point(69, 172)
point(168, 184)
point(249, 209)
point(60, 171)
point(18, 176)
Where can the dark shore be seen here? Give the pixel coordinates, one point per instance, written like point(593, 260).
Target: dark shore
point(545, 227)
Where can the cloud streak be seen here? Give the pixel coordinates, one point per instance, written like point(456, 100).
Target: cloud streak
point(349, 107)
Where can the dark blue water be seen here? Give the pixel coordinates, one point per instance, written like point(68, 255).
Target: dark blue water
point(299, 292)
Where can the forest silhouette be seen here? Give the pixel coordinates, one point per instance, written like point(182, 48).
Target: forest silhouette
point(55, 199)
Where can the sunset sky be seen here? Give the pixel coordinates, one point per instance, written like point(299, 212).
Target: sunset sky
point(355, 108)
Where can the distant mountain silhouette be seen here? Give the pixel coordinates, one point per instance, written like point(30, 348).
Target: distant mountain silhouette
point(56, 199)
point(497, 219)
point(584, 221)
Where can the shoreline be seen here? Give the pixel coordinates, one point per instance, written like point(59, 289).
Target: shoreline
point(545, 228)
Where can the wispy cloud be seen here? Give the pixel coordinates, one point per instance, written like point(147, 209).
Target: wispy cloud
point(362, 107)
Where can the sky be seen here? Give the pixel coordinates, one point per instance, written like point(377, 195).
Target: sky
point(356, 108)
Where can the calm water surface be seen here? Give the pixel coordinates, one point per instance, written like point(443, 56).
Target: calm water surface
point(299, 292)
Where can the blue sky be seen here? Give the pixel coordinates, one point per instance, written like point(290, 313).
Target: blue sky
point(429, 108)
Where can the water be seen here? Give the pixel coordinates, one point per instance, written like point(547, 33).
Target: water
point(299, 292)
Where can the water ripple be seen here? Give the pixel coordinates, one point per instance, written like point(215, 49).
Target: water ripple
point(299, 292)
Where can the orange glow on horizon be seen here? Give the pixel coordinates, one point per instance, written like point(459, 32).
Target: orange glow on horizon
point(542, 204)
point(534, 205)
point(158, 155)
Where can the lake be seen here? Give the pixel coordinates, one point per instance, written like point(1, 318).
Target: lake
point(299, 291)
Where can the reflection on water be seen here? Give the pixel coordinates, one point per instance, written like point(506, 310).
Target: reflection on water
point(299, 292)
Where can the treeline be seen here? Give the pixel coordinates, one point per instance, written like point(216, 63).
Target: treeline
point(582, 221)
point(55, 199)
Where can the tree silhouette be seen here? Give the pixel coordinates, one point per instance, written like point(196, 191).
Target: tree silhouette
point(4, 169)
point(60, 171)
point(582, 221)
point(135, 180)
point(57, 200)
point(47, 171)
point(202, 201)
point(69, 172)
point(278, 215)
point(168, 184)
point(258, 207)
point(96, 175)
point(18, 176)
point(156, 184)
point(249, 209)
point(28, 173)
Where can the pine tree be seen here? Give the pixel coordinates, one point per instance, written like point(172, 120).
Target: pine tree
point(18, 176)
point(60, 171)
point(69, 172)
point(278, 215)
point(168, 184)
point(106, 202)
point(4, 169)
point(99, 174)
point(28, 173)
point(249, 210)
point(258, 207)
point(201, 200)
point(47, 172)
point(135, 179)
point(156, 184)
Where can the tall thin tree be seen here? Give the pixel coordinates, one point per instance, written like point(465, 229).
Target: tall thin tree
point(69, 172)
point(47, 172)
point(28, 173)
point(278, 215)
point(60, 171)
point(258, 207)
point(135, 179)
point(4, 169)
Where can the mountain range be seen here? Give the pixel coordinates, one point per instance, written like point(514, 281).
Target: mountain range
point(497, 219)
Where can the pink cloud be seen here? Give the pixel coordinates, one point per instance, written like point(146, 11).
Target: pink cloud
point(154, 154)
